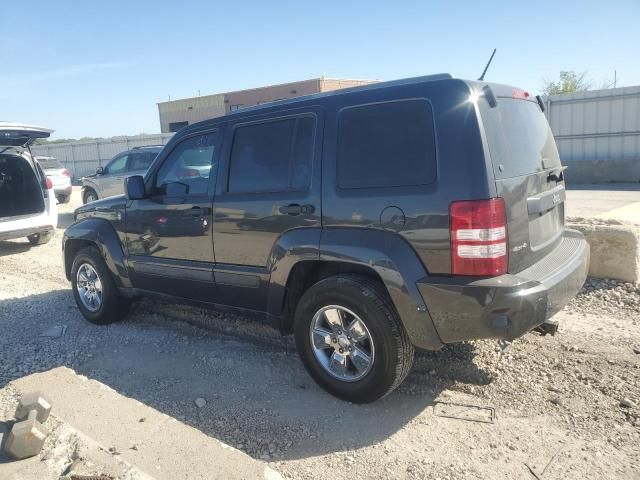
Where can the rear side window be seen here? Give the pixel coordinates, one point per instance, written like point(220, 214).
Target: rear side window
point(141, 161)
point(519, 137)
point(386, 145)
point(272, 156)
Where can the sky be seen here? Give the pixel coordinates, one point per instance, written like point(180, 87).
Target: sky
point(99, 68)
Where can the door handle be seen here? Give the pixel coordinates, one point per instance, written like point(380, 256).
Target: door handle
point(295, 209)
point(196, 211)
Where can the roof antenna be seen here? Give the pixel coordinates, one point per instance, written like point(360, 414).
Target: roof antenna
point(488, 63)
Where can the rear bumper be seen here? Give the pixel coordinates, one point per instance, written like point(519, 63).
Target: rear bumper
point(508, 306)
point(25, 232)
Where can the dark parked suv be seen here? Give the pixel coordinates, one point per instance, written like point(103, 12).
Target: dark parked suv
point(368, 222)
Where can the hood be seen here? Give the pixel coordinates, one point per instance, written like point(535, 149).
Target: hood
point(21, 135)
point(109, 208)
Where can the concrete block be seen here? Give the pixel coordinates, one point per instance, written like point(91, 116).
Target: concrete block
point(615, 247)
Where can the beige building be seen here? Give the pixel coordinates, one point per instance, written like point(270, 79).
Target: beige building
point(176, 114)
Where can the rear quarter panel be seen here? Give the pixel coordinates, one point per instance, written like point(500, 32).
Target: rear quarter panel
point(461, 172)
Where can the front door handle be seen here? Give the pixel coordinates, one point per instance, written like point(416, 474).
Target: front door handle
point(292, 209)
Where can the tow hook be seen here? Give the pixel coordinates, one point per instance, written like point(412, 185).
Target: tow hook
point(549, 327)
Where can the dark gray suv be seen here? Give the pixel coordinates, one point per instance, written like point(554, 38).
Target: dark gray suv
point(368, 222)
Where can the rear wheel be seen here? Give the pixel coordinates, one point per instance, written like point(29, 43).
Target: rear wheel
point(63, 198)
point(40, 238)
point(350, 338)
point(89, 195)
point(94, 290)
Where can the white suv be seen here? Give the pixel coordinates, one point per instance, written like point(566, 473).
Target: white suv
point(27, 200)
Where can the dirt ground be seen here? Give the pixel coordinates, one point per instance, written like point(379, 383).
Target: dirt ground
point(565, 406)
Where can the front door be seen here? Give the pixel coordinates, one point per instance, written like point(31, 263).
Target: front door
point(111, 181)
point(271, 185)
point(169, 234)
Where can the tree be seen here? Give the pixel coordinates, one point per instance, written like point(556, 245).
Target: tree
point(568, 82)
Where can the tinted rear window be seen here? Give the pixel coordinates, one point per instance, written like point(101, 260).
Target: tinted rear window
point(272, 156)
point(519, 137)
point(386, 145)
point(49, 163)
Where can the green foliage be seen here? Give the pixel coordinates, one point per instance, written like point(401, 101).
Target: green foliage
point(568, 82)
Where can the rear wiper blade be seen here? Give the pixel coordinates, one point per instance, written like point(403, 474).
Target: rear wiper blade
point(554, 176)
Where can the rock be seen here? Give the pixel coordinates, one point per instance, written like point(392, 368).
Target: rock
point(626, 403)
point(200, 402)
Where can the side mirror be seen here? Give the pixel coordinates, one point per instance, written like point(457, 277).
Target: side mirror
point(99, 171)
point(134, 187)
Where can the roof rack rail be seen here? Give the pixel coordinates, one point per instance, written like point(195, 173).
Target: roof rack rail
point(147, 146)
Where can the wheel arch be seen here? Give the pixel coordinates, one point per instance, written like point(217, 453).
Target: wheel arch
point(385, 257)
point(100, 234)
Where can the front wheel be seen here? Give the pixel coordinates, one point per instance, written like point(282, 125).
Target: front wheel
point(350, 338)
point(94, 290)
point(89, 195)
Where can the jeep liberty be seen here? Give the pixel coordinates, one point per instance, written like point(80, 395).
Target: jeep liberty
point(368, 222)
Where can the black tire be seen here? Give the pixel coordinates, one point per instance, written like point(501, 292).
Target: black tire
point(40, 238)
point(369, 300)
point(114, 306)
point(88, 194)
point(64, 198)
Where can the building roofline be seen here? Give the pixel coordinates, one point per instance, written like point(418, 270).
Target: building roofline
point(317, 79)
point(340, 91)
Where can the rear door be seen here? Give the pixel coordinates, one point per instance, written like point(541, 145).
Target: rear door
point(270, 186)
point(528, 173)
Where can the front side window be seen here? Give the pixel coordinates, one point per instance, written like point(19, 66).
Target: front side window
point(118, 165)
point(272, 156)
point(188, 167)
point(386, 145)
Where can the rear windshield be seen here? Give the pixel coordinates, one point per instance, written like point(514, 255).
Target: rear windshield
point(49, 163)
point(519, 137)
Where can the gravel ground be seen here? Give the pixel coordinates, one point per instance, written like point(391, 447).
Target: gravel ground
point(568, 403)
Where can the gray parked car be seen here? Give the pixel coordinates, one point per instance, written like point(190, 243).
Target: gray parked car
point(109, 180)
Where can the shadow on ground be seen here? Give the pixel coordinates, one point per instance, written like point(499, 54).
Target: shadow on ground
point(259, 397)
point(14, 247)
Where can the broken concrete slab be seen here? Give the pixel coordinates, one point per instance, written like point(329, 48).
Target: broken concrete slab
point(165, 448)
point(615, 247)
point(56, 331)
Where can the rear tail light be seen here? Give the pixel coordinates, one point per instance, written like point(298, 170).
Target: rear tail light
point(66, 173)
point(521, 94)
point(479, 237)
point(48, 183)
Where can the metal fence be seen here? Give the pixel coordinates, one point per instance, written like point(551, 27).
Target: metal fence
point(598, 134)
point(82, 158)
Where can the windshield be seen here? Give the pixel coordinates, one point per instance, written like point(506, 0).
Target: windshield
point(519, 137)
